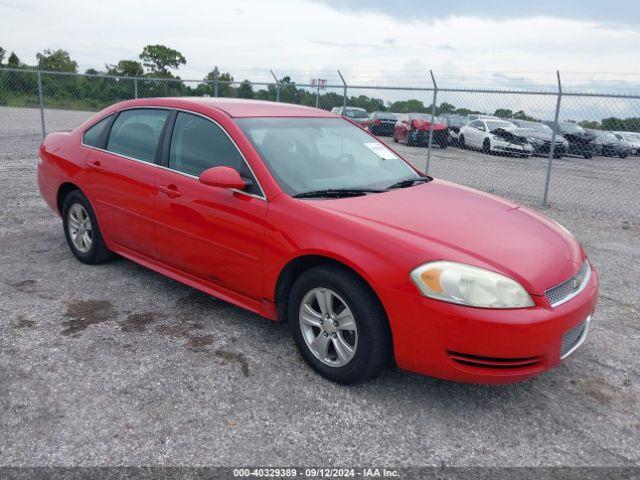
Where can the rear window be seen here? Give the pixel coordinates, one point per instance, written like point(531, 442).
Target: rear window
point(135, 133)
point(94, 133)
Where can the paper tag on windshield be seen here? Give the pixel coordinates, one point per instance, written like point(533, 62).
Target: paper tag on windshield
point(382, 151)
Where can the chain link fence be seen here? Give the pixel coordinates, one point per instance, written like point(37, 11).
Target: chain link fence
point(574, 150)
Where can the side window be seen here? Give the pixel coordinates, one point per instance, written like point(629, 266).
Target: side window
point(94, 133)
point(198, 144)
point(135, 133)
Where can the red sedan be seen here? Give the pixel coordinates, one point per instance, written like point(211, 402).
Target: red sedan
point(415, 129)
point(298, 215)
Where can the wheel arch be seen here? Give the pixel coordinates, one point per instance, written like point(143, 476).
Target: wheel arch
point(298, 265)
point(64, 190)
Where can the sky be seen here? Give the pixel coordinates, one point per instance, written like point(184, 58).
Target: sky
point(498, 44)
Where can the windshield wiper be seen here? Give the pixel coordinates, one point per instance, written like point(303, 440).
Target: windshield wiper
point(337, 192)
point(407, 182)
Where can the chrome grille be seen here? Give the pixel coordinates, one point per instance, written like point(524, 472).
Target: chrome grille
point(573, 338)
point(569, 288)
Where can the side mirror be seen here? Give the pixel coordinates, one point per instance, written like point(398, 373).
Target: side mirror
point(222, 177)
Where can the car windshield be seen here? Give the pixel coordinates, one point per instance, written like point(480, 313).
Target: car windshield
point(572, 128)
point(383, 115)
point(493, 125)
point(355, 114)
point(606, 136)
point(537, 126)
point(424, 116)
point(308, 154)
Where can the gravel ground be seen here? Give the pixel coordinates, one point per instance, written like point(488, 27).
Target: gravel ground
point(117, 365)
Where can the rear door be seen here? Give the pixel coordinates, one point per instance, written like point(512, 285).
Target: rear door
point(214, 234)
point(123, 167)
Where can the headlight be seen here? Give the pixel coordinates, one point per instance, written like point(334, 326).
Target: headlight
point(534, 140)
point(466, 285)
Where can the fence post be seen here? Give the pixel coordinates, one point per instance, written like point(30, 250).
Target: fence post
point(135, 87)
point(277, 85)
point(215, 82)
point(318, 92)
point(552, 147)
point(433, 114)
point(41, 100)
point(344, 91)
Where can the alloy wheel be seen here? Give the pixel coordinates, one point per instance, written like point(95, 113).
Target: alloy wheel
point(328, 327)
point(80, 228)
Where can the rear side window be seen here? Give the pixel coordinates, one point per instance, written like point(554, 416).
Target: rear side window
point(135, 133)
point(93, 135)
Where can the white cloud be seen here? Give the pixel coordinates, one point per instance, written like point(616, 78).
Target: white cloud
point(304, 38)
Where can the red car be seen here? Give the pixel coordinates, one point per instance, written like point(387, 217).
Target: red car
point(298, 215)
point(413, 129)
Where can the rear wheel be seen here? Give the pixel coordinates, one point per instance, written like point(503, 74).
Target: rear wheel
point(587, 155)
point(338, 325)
point(82, 231)
point(461, 143)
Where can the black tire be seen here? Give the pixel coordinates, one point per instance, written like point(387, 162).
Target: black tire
point(461, 143)
point(486, 146)
point(407, 141)
point(373, 349)
point(395, 139)
point(443, 144)
point(98, 252)
point(587, 155)
point(623, 155)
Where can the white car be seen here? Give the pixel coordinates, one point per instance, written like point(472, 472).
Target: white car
point(630, 138)
point(495, 136)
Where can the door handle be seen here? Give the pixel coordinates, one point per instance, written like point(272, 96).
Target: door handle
point(95, 166)
point(170, 190)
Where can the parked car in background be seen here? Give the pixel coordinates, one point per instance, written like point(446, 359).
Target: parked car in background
point(632, 138)
point(382, 123)
point(608, 145)
point(476, 116)
point(355, 114)
point(581, 142)
point(495, 136)
point(413, 129)
point(454, 124)
point(539, 135)
point(300, 216)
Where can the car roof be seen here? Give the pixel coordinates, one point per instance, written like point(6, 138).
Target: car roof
point(237, 107)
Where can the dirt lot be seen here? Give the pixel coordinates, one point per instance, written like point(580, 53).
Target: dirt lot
point(116, 365)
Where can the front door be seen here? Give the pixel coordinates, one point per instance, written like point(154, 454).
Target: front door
point(212, 233)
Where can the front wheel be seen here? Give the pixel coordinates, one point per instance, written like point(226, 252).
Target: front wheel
point(587, 155)
point(486, 146)
point(339, 325)
point(461, 143)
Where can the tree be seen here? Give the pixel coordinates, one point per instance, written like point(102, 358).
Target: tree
point(245, 90)
point(126, 68)
point(406, 106)
point(56, 61)
point(503, 113)
point(592, 124)
point(2, 52)
point(445, 108)
point(520, 115)
point(13, 61)
point(160, 59)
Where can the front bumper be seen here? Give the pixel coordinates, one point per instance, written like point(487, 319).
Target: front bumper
point(478, 345)
point(521, 149)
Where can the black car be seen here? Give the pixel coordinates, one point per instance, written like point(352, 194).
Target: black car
point(581, 142)
point(608, 145)
point(539, 135)
point(455, 123)
point(382, 123)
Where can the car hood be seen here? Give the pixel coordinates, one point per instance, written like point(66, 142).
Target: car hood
point(425, 125)
point(533, 133)
point(443, 221)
